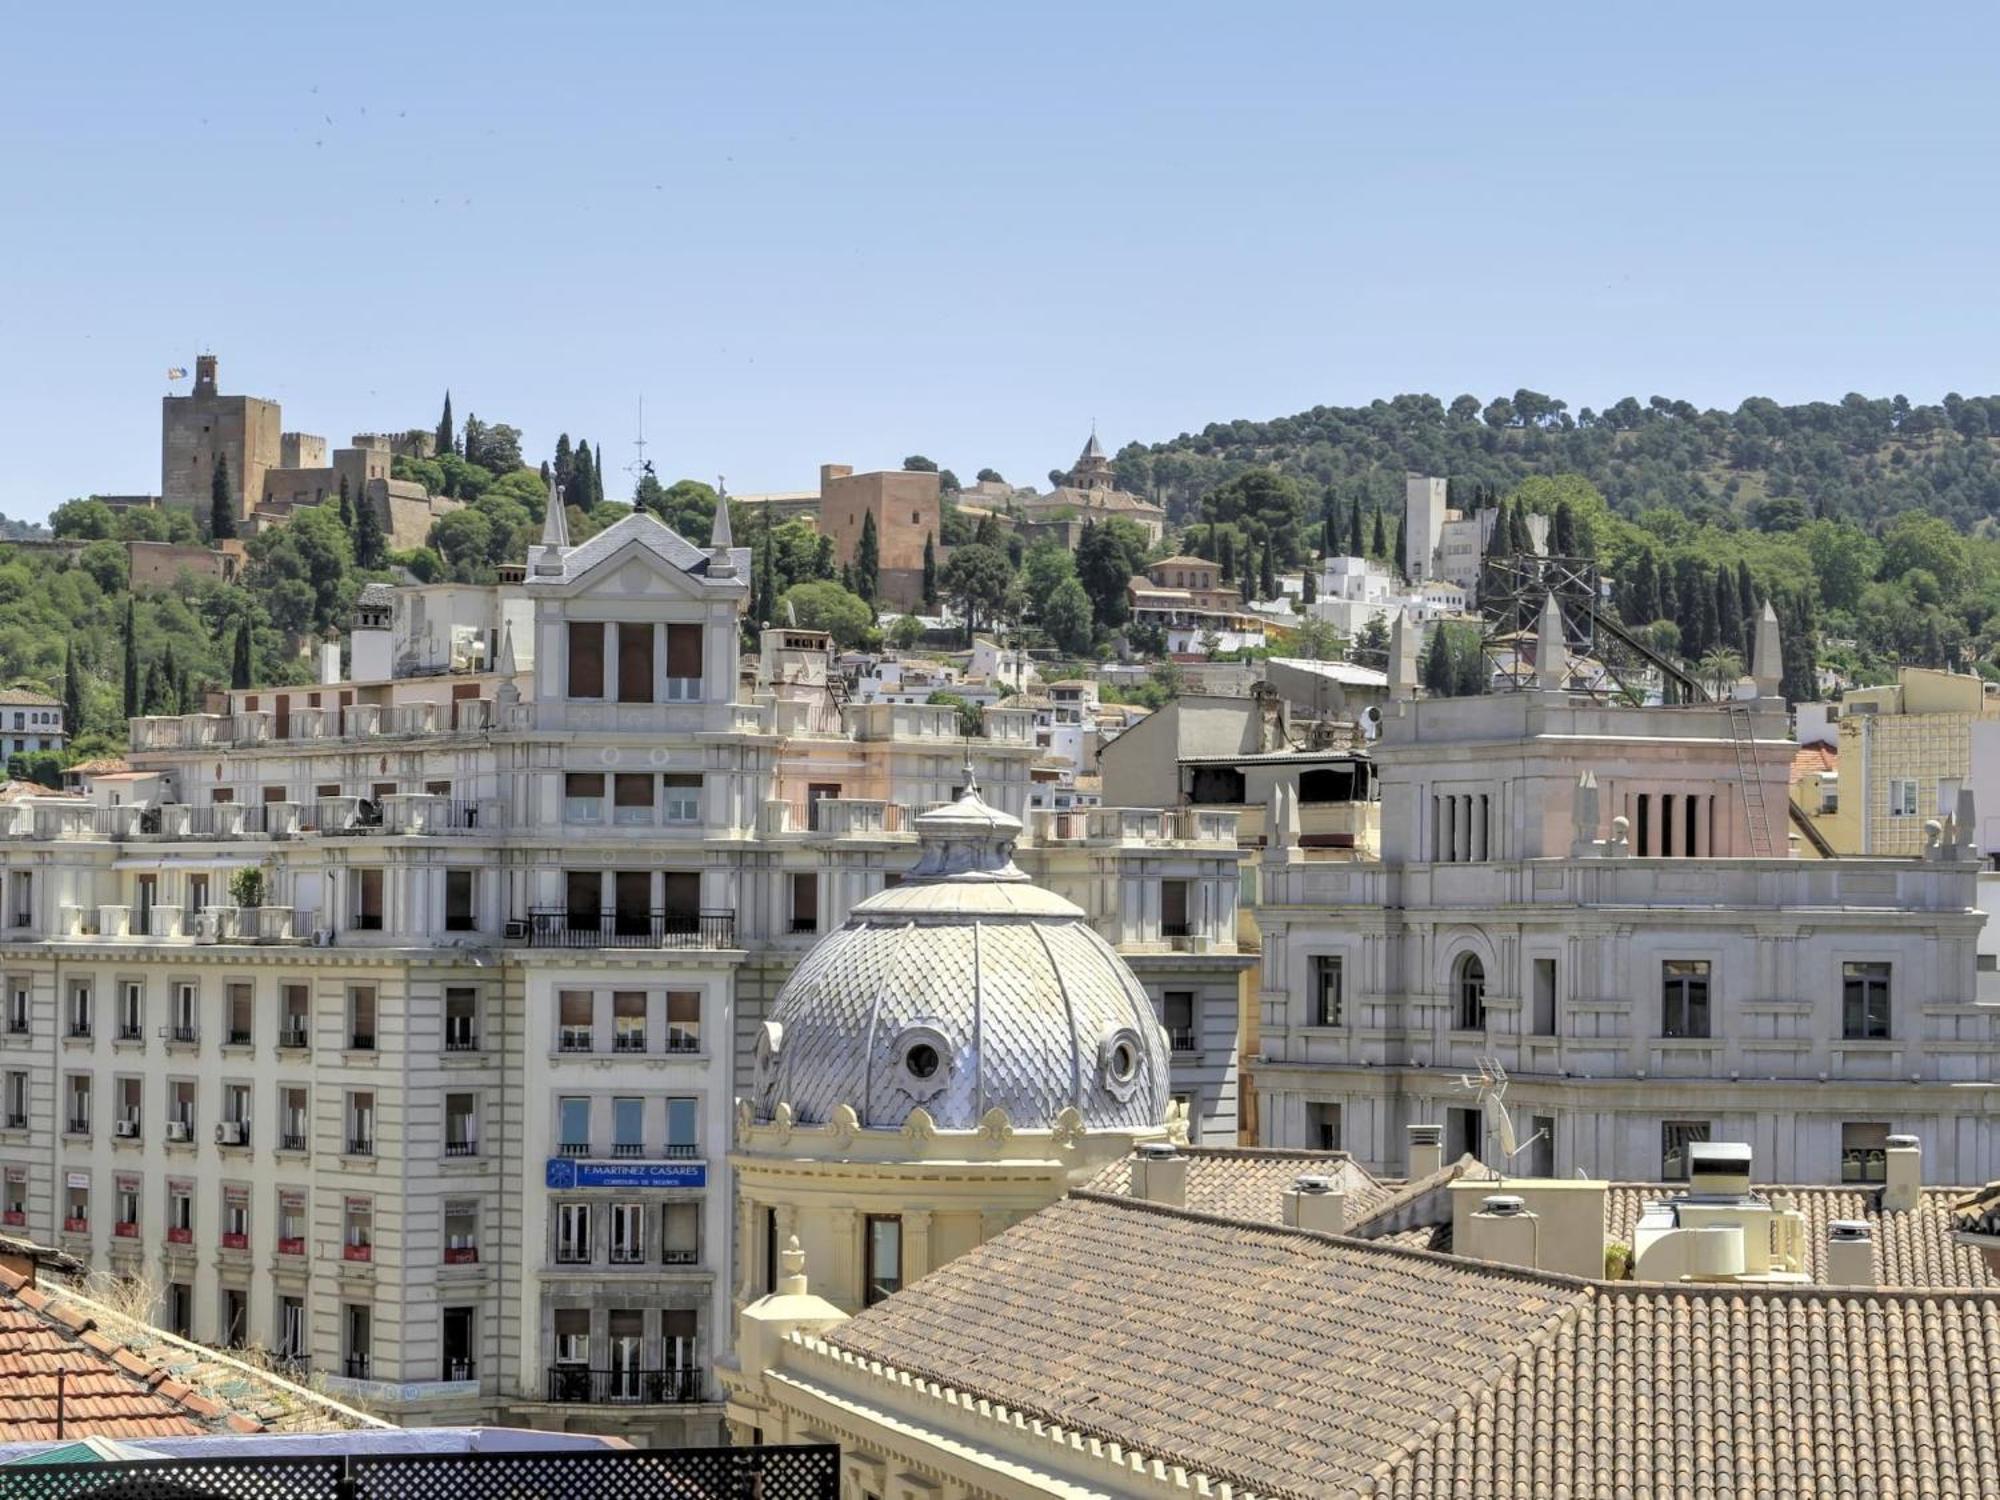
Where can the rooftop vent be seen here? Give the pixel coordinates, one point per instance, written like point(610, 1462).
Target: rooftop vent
point(1504, 1205)
point(1159, 1151)
point(1315, 1202)
point(1719, 1169)
point(1311, 1184)
point(1426, 1150)
point(1159, 1174)
point(1902, 1173)
point(1850, 1254)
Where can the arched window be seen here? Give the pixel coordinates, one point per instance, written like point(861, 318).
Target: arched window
point(1471, 992)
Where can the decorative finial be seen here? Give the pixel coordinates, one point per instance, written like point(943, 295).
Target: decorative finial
point(793, 1259)
point(971, 779)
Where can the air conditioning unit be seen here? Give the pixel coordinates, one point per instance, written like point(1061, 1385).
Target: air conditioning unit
point(229, 1133)
point(177, 1130)
point(125, 1129)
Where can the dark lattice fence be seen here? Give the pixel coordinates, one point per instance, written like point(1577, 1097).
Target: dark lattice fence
point(764, 1473)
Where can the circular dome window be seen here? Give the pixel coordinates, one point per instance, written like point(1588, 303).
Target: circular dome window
point(1119, 1061)
point(921, 1060)
point(1124, 1062)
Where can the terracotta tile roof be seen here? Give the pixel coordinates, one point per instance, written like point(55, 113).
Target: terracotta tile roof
point(1244, 1183)
point(1914, 1249)
point(102, 766)
point(27, 698)
point(1293, 1365)
point(1810, 760)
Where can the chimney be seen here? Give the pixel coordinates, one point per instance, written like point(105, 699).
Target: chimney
point(1314, 1203)
point(1850, 1254)
point(1425, 1155)
point(1159, 1174)
point(1504, 1232)
point(329, 662)
point(1903, 1177)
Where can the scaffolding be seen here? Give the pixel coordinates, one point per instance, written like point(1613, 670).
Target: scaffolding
point(1511, 594)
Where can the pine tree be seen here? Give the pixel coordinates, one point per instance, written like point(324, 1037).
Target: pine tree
point(1267, 572)
point(1354, 529)
point(368, 540)
point(930, 572)
point(346, 507)
point(239, 662)
point(1438, 675)
point(131, 636)
point(867, 560)
point(445, 431)
point(1379, 544)
point(72, 692)
point(221, 502)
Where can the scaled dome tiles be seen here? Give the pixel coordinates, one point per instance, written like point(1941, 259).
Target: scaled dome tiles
point(965, 989)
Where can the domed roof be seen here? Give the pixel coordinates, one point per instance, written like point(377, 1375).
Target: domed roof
point(963, 989)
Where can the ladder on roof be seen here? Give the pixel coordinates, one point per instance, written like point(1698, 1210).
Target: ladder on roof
point(1743, 732)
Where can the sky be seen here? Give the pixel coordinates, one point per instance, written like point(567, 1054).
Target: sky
point(851, 232)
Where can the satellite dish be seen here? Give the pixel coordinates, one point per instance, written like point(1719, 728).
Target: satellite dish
point(1491, 1085)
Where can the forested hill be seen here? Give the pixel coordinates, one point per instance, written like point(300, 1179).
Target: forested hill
point(1762, 465)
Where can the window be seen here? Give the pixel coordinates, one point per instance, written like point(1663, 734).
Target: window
point(573, 1120)
point(461, 1232)
point(180, 1309)
point(635, 662)
point(1864, 1151)
point(127, 1222)
point(187, 1012)
point(885, 1257)
point(79, 1009)
point(17, 1100)
point(572, 1330)
point(573, 1009)
point(684, 646)
point(1177, 1011)
point(586, 658)
point(1675, 1138)
point(682, 794)
point(1864, 1006)
point(291, 1222)
point(1464, 1135)
point(460, 1339)
point(131, 1011)
point(361, 1124)
point(294, 1015)
point(583, 797)
point(361, 1018)
point(1684, 997)
point(180, 1110)
point(683, 1020)
point(1542, 1146)
point(1902, 797)
point(17, 1006)
point(1174, 909)
point(357, 1229)
point(1470, 989)
point(632, 799)
point(681, 1232)
point(1325, 1123)
point(628, 1234)
point(681, 1141)
point(236, 1007)
point(459, 912)
point(355, 1332)
point(365, 891)
point(235, 1218)
point(572, 1234)
point(628, 1127)
point(461, 1019)
point(628, 1021)
point(235, 1129)
point(79, 1104)
point(131, 1094)
point(1328, 974)
point(293, 1119)
point(805, 901)
point(1545, 997)
point(292, 1346)
point(461, 1124)
point(76, 1208)
point(235, 1317)
point(180, 1213)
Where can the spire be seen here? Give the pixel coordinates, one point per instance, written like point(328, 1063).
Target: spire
point(555, 519)
point(720, 537)
point(1767, 654)
point(1551, 654)
point(1091, 449)
point(1402, 658)
point(506, 666)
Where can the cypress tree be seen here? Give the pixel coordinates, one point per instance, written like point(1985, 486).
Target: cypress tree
point(1503, 531)
point(1267, 573)
point(1379, 545)
point(153, 700)
point(1641, 605)
point(368, 541)
point(1666, 597)
point(445, 431)
point(346, 507)
point(239, 662)
point(131, 660)
point(1309, 587)
point(867, 560)
point(930, 572)
point(597, 483)
point(1728, 622)
point(1522, 543)
point(582, 478)
point(1354, 530)
point(170, 681)
point(1468, 671)
point(1563, 534)
point(1226, 561)
point(221, 502)
point(1403, 544)
point(1700, 604)
point(1749, 606)
point(1326, 543)
point(565, 462)
point(72, 692)
point(1438, 676)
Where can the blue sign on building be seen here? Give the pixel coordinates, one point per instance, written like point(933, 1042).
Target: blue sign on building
point(566, 1172)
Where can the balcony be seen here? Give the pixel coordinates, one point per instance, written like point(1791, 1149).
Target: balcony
point(558, 927)
point(681, 1040)
point(460, 1369)
point(676, 1256)
point(573, 1148)
point(461, 1148)
point(357, 1252)
point(355, 1367)
point(290, 1142)
point(629, 1041)
point(186, 1036)
point(461, 1041)
point(295, 1038)
point(361, 1145)
point(291, 1245)
point(574, 1384)
point(627, 1151)
point(1181, 1039)
point(461, 1255)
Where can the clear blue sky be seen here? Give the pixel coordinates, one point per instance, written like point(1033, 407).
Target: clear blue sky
point(850, 231)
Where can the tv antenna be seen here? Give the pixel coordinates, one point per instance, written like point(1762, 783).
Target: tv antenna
point(641, 467)
point(1491, 1085)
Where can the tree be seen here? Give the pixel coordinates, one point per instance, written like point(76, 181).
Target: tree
point(131, 640)
point(1315, 640)
point(989, 476)
point(1044, 568)
point(1403, 545)
point(1562, 535)
point(1379, 547)
point(1308, 586)
point(977, 579)
point(239, 665)
point(581, 490)
point(1225, 557)
point(221, 501)
point(368, 539)
point(1264, 505)
point(1354, 530)
point(1728, 621)
point(948, 482)
point(906, 632)
point(1718, 670)
point(1468, 668)
point(72, 691)
point(445, 430)
point(1371, 647)
point(346, 505)
point(868, 560)
point(1749, 606)
point(916, 463)
point(1107, 556)
point(1066, 616)
point(827, 606)
point(1438, 673)
point(1267, 572)
point(930, 572)
point(1639, 598)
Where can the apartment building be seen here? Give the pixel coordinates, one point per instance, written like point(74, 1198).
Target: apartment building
point(393, 1023)
point(1603, 900)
